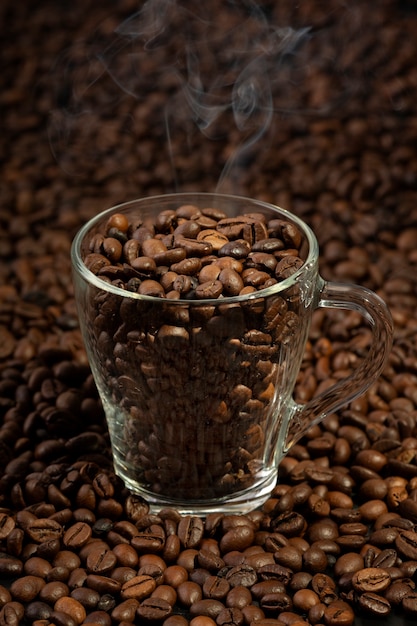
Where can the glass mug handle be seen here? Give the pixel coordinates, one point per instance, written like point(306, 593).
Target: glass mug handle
point(333, 295)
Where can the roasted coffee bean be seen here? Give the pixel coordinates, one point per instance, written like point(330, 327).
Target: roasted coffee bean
point(374, 604)
point(154, 609)
point(207, 559)
point(275, 572)
point(276, 603)
point(338, 612)
point(383, 536)
point(304, 599)
point(406, 543)
point(230, 616)
point(323, 529)
point(409, 603)
point(100, 560)
point(40, 530)
point(386, 558)
point(315, 559)
point(396, 592)
point(238, 597)
point(37, 566)
point(7, 524)
point(70, 606)
point(76, 577)
point(150, 541)
point(189, 592)
point(174, 575)
point(177, 620)
point(103, 584)
point(38, 611)
point(10, 566)
point(371, 579)
point(12, 613)
point(166, 593)
point(207, 607)
point(138, 587)
point(289, 524)
point(237, 538)
point(300, 580)
point(241, 575)
point(77, 535)
point(87, 597)
point(216, 587)
point(408, 508)
point(190, 531)
point(26, 588)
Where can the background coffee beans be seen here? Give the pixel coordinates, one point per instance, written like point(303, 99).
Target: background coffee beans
point(340, 153)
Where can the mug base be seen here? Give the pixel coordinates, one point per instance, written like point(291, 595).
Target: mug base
point(237, 503)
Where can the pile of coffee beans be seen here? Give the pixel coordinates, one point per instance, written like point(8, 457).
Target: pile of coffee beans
point(336, 542)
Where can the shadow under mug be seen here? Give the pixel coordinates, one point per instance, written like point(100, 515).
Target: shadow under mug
point(198, 393)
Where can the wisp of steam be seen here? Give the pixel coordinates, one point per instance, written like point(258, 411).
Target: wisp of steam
point(196, 71)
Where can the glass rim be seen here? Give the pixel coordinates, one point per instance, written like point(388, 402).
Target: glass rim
point(81, 269)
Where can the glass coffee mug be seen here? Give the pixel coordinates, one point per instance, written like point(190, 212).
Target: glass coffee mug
point(197, 383)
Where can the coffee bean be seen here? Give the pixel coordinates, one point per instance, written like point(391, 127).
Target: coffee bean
point(275, 572)
point(289, 524)
point(207, 607)
point(138, 587)
point(26, 588)
point(216, 587)
point(103, 584)
point(315, 559)
point(166, 593)
point(238, 597)
point(276, 602)
point(304, 599)
point(374, 604)
point(237, 538)
point(323, 529)
point(7, 524)
point(37, 566)
point(100, 560)
point(187, 592)
point(386, 558)
point(125, 611)
point(396, 592)
point(154, 609)
point(232, 616)
point(241, 575)
point(41, 530)
point(12, 613)
point(87, 597)
point(177, 620)
point(190, 531)
point(264, 587)
point(406, 543)
point(409, 603)
point(77, 535)
point(71, 607)
point(152, 540)
point(408, 508)
point(98, 617)
point(38, 611)
point(371, 579)
point(338, 612)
